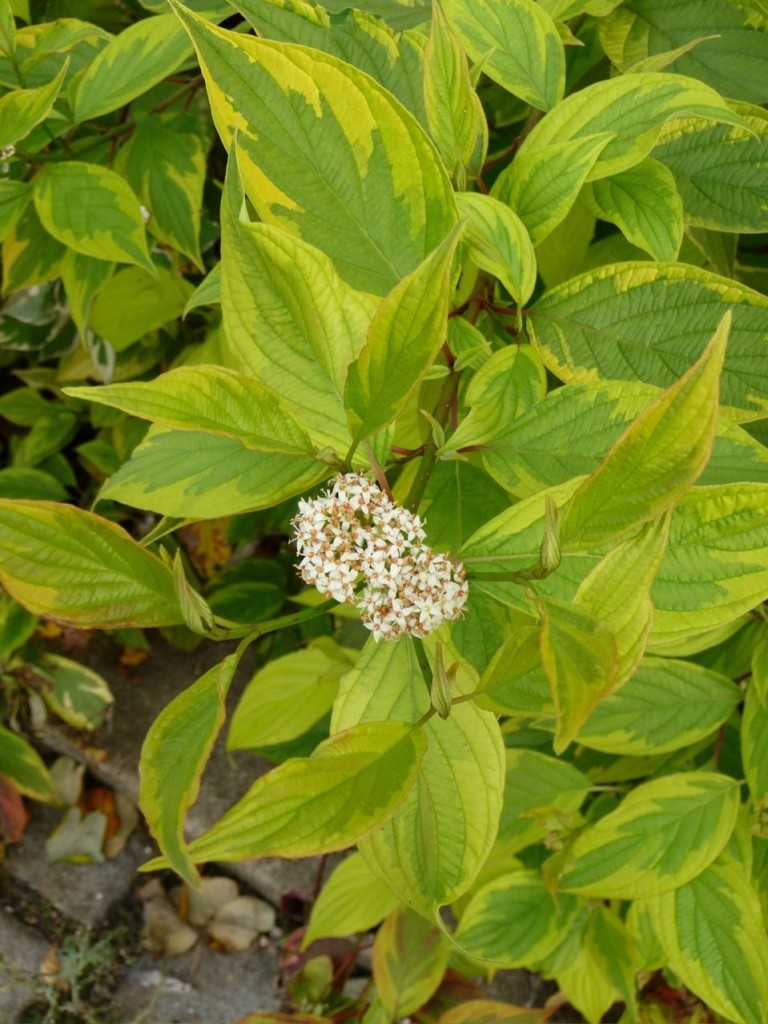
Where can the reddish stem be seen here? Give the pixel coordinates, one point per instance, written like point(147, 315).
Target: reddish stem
point(382, 480)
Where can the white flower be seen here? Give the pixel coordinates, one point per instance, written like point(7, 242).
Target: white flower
point(360, 547)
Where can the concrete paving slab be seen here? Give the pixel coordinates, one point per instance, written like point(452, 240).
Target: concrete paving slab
point(518, 987)
point(140, 694)
point(21, 953)
point(204, 985)
point(82, 892)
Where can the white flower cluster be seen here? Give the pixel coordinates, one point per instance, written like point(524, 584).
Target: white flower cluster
point(354, 533)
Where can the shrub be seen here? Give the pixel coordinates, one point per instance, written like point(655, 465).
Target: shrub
point(510, 310)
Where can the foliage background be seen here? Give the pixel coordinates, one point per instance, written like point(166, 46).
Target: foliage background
point(509, 258)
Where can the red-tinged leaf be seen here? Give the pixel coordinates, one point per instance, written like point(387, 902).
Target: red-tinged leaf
point(489, 1011)
point(13, 813)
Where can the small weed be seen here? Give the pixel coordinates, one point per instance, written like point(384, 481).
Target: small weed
point(73, 972)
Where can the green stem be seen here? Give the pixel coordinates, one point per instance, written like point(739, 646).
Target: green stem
point(347, 467)
point(429, 459)
point(283, 622)
point(192, 84)
point(523, 576)
point(425, 718)
point(128, 126)
point(466, 697)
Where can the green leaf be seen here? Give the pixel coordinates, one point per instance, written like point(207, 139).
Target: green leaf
point(666, 705)
point(514, 920)
point(517, 44)
point(721, 171)
point(759, 874)
point(395, 59)
point(247, 602)
point(617, 593)
point(92, 210)
point(512, 540)
point(634, 108)
point(16, 627)
point(30, 255)
point(436, 843)
point(49, 435)
point(714, 939)
point(650, 322)
point(639, 926)
point(541, 185)
point(583, 982)
point(455, 116)
point(491, 1011)
point(410, 956)
point(173, 756)
point(348, 788)
point(540, 793)
point(663, 834)
point(515, 682)
point(458, 498)
point(193, 475)
point(759, 667)
point(717, 248)
point(23, 406)
point(581, 661)
point(134, 302)
point(643, 202)
point(83, 276)
point(165, 166)
point(398, 14)
point(14, 196)
point(655, 460)
point(614, 952)
point(664, 60)
point(23, 482)
point(207, 293)
point(352, 900)
point(403, 341)
point(715, 567)
point(7, 30)
point(567, 249)
point(497, 241)
point(288, 695)
point(734, 61)
point(483, 629)
point(74, 567)
point(327, 153)
point(574, 427)
point(45, 48)
point(21, 763)
point(77, 694)
point(279, 294)
point(506, 387)
point(212, 399)
point(754, 751)
point(133, 61)
point(24, 109)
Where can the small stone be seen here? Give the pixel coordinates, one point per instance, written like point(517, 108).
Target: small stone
point(202, 903)
point(249, 912)
point(231, 937)
point(164, 931)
